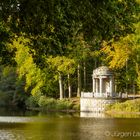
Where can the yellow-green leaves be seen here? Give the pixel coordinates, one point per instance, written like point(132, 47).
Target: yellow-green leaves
point(62, 64)
point(117, 53)
point(26, 66)
point(126, 49)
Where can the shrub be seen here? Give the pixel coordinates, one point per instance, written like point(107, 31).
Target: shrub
point(76, 107)
point(127, 106)
point(51, 103)
point(64, 104)
point(5, 99)
point(30, 102)
point(33, 100)
point(48, 103)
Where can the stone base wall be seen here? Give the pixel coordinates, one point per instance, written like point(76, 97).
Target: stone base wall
point(95, 104)
point(93, 115)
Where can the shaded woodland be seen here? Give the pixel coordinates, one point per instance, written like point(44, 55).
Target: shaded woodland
point(50, 48)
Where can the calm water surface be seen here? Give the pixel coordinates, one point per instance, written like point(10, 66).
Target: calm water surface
point(21, 125)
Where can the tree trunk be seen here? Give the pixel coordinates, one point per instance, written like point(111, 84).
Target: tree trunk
point(95, 63)
point(69, 86)
point(138, 75)
point(60, 86)
point(85, 76)
point(14, 98)
point(79, 81)
point(134, 88)
point(126, 85)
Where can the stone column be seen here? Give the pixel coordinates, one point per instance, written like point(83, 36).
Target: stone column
point(101, 86)
point(111, 86)
point(94, 85)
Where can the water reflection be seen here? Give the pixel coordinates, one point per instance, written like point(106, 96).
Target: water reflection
point(124, 115)
point(16, 112)
point(11, 135)
point(72, 128)
point(93, 114)
point(60, 126)
point(106, 115)
point(14, 119)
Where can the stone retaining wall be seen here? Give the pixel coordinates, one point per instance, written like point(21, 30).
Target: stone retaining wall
point(95, 104)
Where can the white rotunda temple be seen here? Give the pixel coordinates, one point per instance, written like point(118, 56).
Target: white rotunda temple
point(103, 82)
point(102, 93)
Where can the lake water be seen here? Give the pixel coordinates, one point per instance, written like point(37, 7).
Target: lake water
point(22, 125)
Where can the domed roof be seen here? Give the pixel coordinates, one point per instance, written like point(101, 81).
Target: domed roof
point(103, 70)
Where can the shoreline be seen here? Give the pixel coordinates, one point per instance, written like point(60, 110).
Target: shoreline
point(121, 113)
point(54, 110)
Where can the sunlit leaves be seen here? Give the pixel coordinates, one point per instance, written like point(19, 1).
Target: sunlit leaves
point(117, 54)
point(62, 64)
point(26, 66)
point(70, 32)
point(127, 49)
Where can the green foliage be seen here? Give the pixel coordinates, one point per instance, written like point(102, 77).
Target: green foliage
point(33, 100)
point(47, 103)
point(54, 25)
point(76, 107)
point(11, 90)
point(5, 55)
point(64, 104)
point(62, 64)
point(127, 106)
point(5, 98)
point(52, 104)
point(26, 67)
point(125, 51)
point(60, 34)
point(126, 48)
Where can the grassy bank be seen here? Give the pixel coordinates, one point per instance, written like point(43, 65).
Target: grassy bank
point(127, 107)
point(51, 104)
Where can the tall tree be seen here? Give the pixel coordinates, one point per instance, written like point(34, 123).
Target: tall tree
point(55, 27)
point(125, 49)
point(62, 66)
point(26, 67)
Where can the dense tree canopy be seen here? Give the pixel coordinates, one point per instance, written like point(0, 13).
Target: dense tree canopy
point(46, 39)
